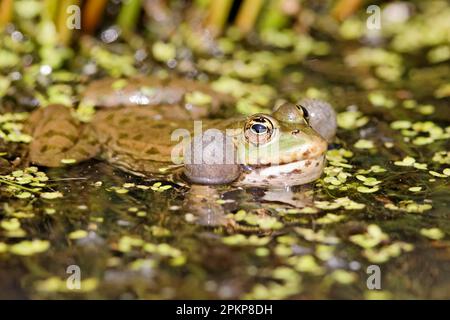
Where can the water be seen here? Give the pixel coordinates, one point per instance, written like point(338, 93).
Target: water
point(142, 242)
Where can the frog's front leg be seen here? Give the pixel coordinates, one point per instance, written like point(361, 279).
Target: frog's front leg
point(59, 138)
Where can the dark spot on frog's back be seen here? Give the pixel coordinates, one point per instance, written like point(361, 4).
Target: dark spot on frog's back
point(140, 118)
point(306, 153)
point(159, 126)
point(53, 133)
point(110, 117)
point(84, 152)
point(65, 148)
point(124, 121)
point(123, 135)
point(152, 151)
point(139, 136)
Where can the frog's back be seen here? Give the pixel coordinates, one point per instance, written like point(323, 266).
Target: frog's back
point(137, 132)
point(139, 140)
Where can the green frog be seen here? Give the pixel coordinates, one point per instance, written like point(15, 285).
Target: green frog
point(145, 126)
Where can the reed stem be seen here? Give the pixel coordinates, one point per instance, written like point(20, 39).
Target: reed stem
point(248, 14)
point(92, 14)
point(65, 30)
point(218, 14)
point(128, 15)
point(50, 10)
point(6, 12)
point(345, 8)
point(273, 17)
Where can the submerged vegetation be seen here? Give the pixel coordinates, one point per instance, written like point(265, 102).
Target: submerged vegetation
point(383, 198)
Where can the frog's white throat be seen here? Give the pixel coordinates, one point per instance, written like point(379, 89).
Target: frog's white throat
point(283, 175)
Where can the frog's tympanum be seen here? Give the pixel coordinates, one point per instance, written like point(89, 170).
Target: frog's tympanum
point(285, 148)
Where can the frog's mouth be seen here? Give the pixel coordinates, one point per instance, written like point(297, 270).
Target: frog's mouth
point(284, 175)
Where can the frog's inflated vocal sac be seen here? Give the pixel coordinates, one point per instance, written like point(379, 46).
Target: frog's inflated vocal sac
point(133, 131)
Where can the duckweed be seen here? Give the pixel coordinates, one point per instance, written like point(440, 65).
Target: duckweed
point(159, 187)
point(115, 65)
point(383, 254)
point(343, 277)
point(364, 189)
point(163, 51)
point(78, 234)
point(242, 240)
point(290, 284)
point(51, 195)
point(306, 264)
point(318, 236)
point(442, 157)
point(330, 218)
point(371, 238)
point(157, 231)
point(350, 120)
point(198, 98)
point(406, 162)
point(11, 125)
point(29, 247)
point(126, 243)
point(409, 206)
point(344, 202)
point(364, 144)
point(3, 247)
point(143, 264)
point(437, 174)
point(55, 284)
point(432, 233)
point(263, 222)
point(424, 132)
point(10, 225)
point(378, 99)
point(68, 161)
point(260, 252)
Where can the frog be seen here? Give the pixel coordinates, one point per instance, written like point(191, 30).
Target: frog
point(136, 134)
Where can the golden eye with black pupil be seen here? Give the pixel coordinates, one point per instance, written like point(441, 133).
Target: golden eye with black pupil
point(259, 130)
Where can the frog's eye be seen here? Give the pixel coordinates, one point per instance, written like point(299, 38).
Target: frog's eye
point(303, 111)
point(259, 129)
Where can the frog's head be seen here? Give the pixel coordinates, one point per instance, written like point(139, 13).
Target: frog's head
point(281, 149)
point(277, 150)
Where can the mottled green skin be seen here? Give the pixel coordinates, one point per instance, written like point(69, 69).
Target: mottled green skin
point(139, 140)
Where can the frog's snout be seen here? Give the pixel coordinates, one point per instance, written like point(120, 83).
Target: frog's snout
point(318, 146)
point(306, 145)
